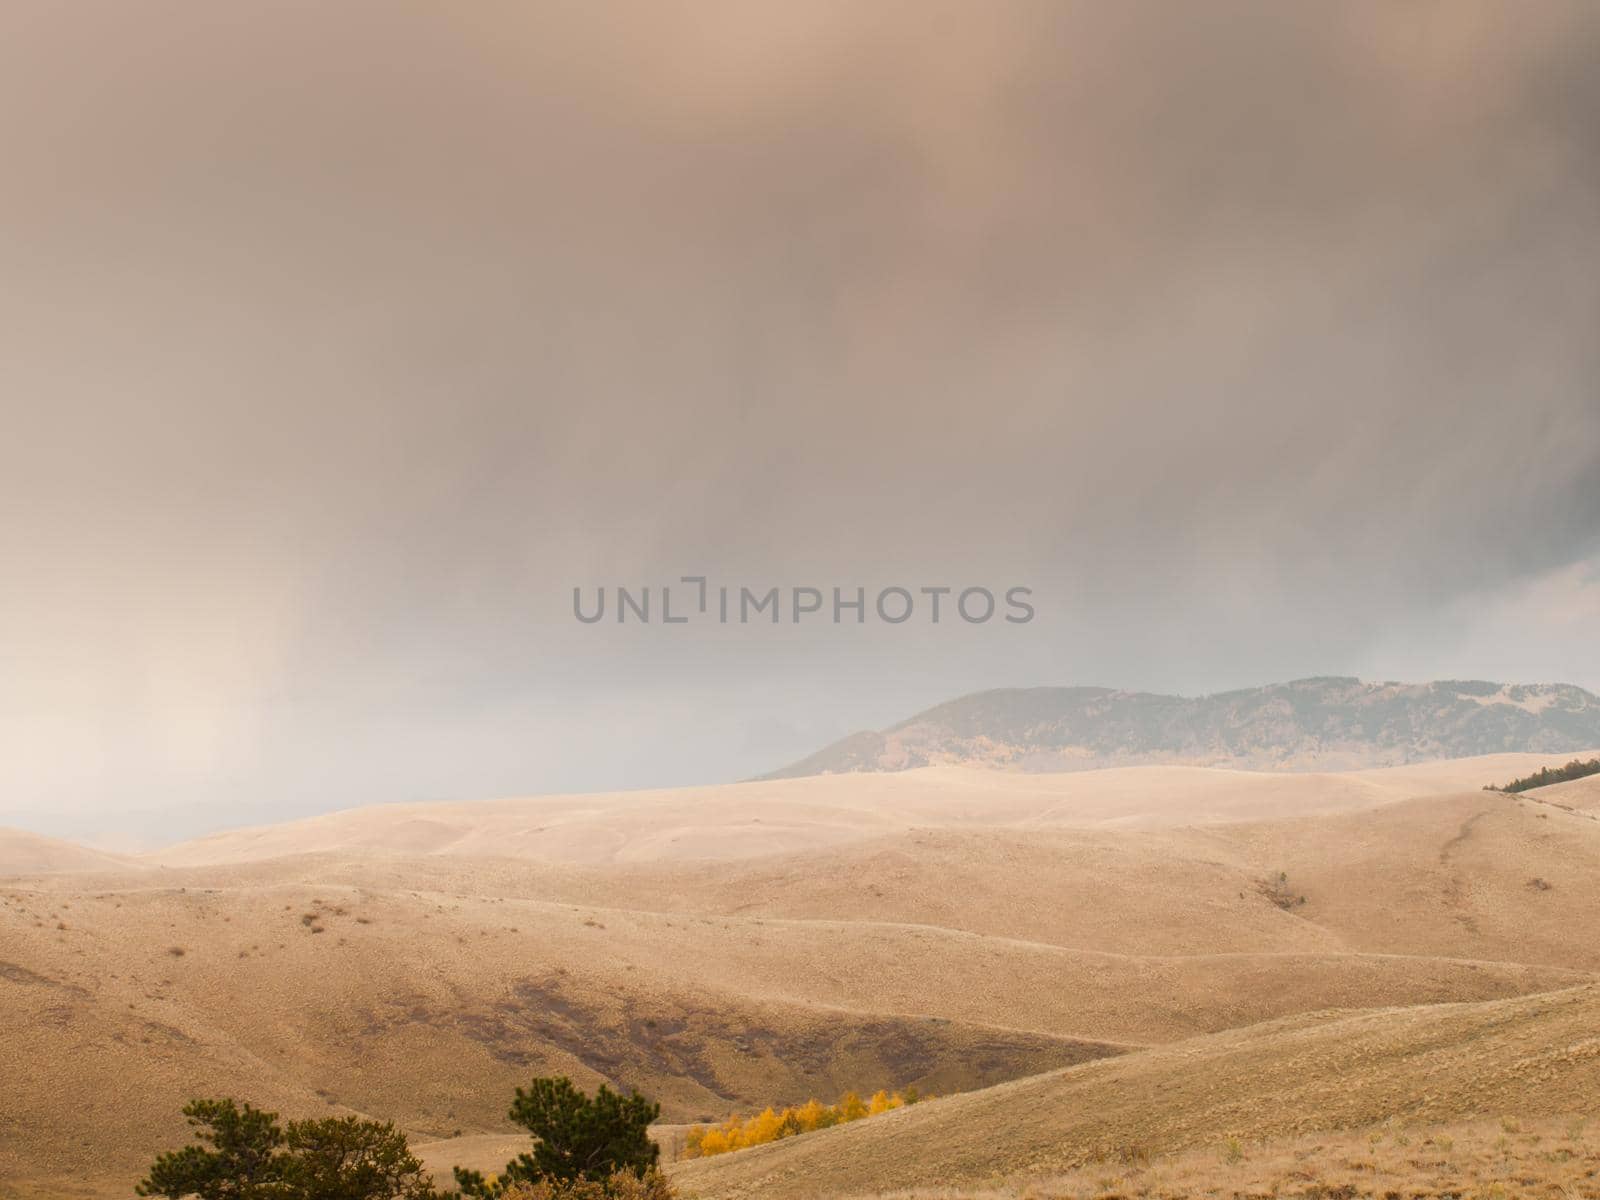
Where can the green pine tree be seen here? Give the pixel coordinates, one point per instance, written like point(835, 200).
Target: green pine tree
point(242, 1162)
point(346, 1158)
point(245, 1155)
point(577, 1137)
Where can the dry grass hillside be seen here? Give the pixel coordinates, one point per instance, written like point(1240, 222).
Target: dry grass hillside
point(949, 929)
point(1531, 1057)
point(428, 1008)
point(1577, 795)
point(1491, 1160)
point(756, 819)
point(30, 854)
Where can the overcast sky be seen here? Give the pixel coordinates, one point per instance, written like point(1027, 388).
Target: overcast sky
point(339, 342)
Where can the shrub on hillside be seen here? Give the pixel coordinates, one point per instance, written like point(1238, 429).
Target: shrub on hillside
point(1279, 892)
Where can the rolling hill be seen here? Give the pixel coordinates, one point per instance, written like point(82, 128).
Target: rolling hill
point(726, 948)
point(1531, 1057)
point(23, 853)
point(733, 822)
point(1577, 795)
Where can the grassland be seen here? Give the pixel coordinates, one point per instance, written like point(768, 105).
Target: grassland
point(1082, 940)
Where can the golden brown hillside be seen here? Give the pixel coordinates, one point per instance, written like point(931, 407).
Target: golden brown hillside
point(1579, 795)
point(962, 930)
point(749, 820)
point(1556, 1157)
point(1530, 1057)
point(24, 853)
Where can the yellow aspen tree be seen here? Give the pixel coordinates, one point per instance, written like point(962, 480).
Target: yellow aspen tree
point(714, 1141)
point(761, 1129)
point(851, 1108)
point(810, 1116)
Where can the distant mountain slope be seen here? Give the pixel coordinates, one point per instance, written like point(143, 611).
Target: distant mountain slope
point(1325, 723)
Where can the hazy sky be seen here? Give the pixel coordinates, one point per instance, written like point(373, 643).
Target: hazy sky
point(338, 342)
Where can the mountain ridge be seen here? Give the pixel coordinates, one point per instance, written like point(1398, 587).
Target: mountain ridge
point(1322, 722)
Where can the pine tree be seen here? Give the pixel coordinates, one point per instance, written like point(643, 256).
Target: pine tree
point(242, 1162)
point(245, 1155)
point(345, 1158)
point(576, 1137)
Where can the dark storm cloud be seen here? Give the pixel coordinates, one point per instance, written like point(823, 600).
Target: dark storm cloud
point(344, 340)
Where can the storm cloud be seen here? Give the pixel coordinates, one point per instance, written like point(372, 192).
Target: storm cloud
point(341, 342)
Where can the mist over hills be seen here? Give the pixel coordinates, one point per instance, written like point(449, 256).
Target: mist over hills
point(1325, 723)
